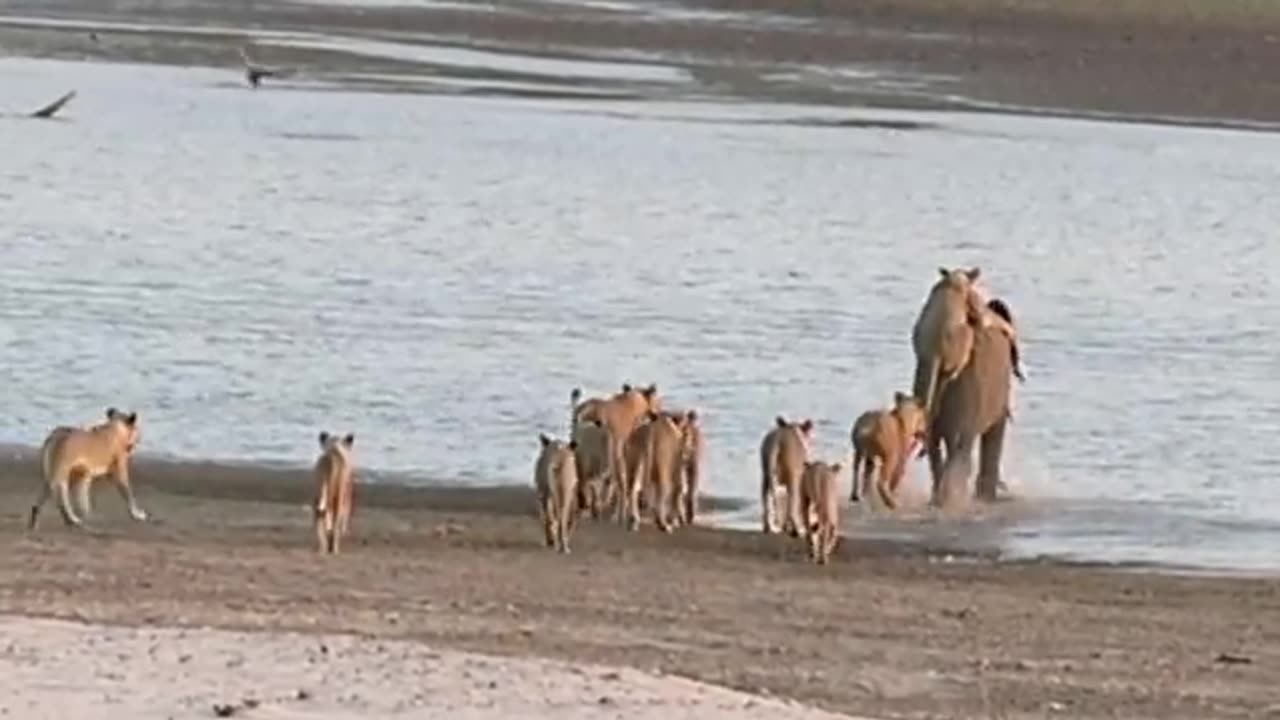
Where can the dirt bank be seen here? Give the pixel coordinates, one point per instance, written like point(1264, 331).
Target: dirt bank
point(1139, 58)
point(888, 630)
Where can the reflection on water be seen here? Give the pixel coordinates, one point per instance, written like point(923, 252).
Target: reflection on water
point(439, 279)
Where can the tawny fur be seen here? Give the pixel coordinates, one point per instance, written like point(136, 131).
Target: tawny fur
point(692, 455)
point(783, 453)
point(334, 482)
point(654, 456)
point(820, 505)
point(592, 457)
point(885, 438)
point(942, 336)
point(73, 456)
point(555, 477)
point(619, 414)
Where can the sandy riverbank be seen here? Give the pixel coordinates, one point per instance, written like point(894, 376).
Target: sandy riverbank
point(144, 673)
point(889, 630)
point(1194, 60)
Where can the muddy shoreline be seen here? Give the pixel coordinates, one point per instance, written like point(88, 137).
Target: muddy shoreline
point(889, 629)
point(1134, 60)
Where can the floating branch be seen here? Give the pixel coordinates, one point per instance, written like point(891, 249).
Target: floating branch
point(52, 108)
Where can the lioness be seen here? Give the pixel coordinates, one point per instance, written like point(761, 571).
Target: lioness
point(619, 414)
point(783, 453)
point(75, 455)
point(654, 455)
point(591, 454)
point(334, 483)
point(691, 463)
point(886, 437)
point(820, 501)
point(555, 477)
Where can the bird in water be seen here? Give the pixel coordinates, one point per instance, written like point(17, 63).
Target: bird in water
point(254, 73)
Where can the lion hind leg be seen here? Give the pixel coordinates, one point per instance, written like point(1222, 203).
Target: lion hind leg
point(62, 489)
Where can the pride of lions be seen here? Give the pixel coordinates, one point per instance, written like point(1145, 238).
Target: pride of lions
point(626, 453)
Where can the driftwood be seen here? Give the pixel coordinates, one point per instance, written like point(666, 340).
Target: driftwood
point(52, 108)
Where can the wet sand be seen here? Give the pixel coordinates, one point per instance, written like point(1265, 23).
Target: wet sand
point(1186, 61)
point(888, 630)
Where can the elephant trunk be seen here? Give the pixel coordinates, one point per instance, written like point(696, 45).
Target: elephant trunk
point(925, 388)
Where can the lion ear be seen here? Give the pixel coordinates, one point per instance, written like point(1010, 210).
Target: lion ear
point(974, 273)
point(692, 416)
point(651, 390)
point(573, 445)
point(944, 272)
point(349, 440)
point(835, 468)
point(131, 419)
point(899, 397)
point(780, 421)
point(626, 387)
point(112, 412)
point(806, 426)
point(324, 438)
point(542, 438)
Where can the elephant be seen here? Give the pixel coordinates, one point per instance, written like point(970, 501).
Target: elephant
point(943, 334)
point(972, 409)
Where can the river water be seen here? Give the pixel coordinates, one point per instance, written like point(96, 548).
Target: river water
point(435, 274)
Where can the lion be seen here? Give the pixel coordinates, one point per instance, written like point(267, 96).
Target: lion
point(886, 437)
point(71, 455)
point(692, 453)
point(334, 484)
point(654, 455)
point(555, 477)
point(619, 414)
point(591, 455)
point(820, 506)
point(783, 453)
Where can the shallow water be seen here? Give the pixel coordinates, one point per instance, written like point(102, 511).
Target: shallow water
point(246, 268)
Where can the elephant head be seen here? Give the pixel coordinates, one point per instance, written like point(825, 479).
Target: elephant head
point(943, 333)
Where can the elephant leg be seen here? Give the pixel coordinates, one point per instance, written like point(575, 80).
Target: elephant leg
point(958, 469)
point(933, 447)
point(990, 451)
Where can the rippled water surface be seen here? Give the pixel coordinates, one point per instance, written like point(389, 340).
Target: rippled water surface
point(246, 268)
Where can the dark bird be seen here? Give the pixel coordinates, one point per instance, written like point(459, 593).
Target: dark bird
point(254, 73)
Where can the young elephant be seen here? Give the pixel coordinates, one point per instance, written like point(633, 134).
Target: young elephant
point(783, 453)
point(73, 456)
point(655, 456)
point(334, 483)
point(555, 477)
point(820, 505)
point(885, 437)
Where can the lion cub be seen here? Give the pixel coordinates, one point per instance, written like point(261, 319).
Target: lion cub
point(72, 455)
point(783, 453)
point(555, 476)
point(886, 437)
point(820, 506)
point(334, 482)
